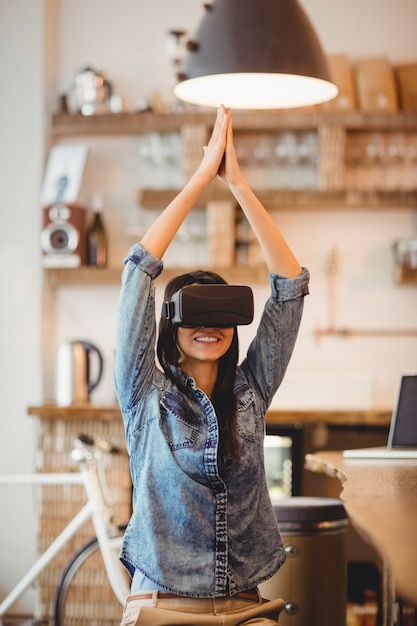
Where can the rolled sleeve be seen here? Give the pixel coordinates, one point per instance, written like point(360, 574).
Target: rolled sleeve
point(283, 289)
point(148, 263)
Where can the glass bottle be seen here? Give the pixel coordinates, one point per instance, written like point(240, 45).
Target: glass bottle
point(97, 236)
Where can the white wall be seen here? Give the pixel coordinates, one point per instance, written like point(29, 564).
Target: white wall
point(125, 39)
point(22, 149)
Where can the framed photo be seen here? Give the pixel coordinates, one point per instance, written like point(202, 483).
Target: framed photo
point(63, 174)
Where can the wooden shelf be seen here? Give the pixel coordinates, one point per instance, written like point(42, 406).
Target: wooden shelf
point(90, 276)
point(294, 199)
point(139, 123)
point(81, 276)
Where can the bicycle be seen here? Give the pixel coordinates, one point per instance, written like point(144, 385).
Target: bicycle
point(87, 453)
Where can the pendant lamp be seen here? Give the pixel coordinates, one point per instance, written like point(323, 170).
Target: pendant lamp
point(255, 54)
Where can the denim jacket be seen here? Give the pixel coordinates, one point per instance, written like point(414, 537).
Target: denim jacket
point(194, 532)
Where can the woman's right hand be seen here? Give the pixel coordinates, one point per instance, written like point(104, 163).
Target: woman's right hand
point(215, 149)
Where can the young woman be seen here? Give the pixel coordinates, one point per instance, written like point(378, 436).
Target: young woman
point(203, 533)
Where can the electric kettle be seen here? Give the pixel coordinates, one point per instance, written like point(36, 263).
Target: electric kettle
point(73, 383)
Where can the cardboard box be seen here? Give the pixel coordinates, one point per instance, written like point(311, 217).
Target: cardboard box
point(375, 85)
point(407, 86)
point(341, 72)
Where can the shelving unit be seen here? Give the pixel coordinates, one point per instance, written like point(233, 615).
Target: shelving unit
point(332, 127)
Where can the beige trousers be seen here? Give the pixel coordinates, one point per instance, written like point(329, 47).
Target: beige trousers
point(147, 609)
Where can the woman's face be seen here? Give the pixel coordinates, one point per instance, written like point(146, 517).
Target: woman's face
point(198, 343)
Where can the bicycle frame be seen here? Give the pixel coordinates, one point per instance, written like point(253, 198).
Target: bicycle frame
point(95, 509)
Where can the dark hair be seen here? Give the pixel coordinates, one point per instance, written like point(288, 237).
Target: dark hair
point(223, 399)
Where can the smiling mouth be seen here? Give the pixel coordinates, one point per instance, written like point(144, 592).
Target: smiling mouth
point(207, 339)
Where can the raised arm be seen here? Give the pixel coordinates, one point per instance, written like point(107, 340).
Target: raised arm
point(162, 231)
point(278, 255)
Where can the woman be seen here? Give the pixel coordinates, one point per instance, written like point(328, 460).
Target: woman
point(203, 533)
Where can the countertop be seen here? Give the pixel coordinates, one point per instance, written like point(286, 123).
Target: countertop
point(380, 497)
point(339, 417)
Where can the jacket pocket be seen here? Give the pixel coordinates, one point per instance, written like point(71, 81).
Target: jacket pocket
point(246, 413)
point(178, 422)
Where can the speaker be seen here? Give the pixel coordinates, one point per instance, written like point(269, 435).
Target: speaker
point(63, 235)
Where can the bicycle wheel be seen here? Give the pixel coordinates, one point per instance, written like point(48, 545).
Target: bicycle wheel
point(84, 596)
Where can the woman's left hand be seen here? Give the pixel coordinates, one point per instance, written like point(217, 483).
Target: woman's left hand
point(229, 170)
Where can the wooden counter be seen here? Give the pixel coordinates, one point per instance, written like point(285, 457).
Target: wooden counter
point(105, 412)
point(380, 497)
point(378, 418)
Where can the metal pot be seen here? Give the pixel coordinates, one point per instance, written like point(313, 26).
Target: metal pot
point(73, 383)
point(92, 92)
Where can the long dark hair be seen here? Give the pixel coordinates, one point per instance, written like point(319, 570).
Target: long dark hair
point(223, 398)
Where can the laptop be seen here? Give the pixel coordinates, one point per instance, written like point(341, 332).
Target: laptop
point(402, 436)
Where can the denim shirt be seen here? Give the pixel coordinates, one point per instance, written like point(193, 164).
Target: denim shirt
point(193, 532)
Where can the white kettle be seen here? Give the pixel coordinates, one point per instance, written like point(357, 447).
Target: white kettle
point(73, 383)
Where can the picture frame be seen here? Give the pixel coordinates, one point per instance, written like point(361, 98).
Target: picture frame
point(64, 173)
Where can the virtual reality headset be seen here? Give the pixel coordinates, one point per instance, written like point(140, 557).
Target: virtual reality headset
point(211, 305)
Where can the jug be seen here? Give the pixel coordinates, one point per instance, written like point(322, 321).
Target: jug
point(73, 383)
point(92, 92)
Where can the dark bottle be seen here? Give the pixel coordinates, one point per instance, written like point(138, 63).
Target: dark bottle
point(97, 236)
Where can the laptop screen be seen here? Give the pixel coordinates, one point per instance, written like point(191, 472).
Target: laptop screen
point(403, 430)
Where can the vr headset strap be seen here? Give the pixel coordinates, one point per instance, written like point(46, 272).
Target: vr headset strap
point(168, 310)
